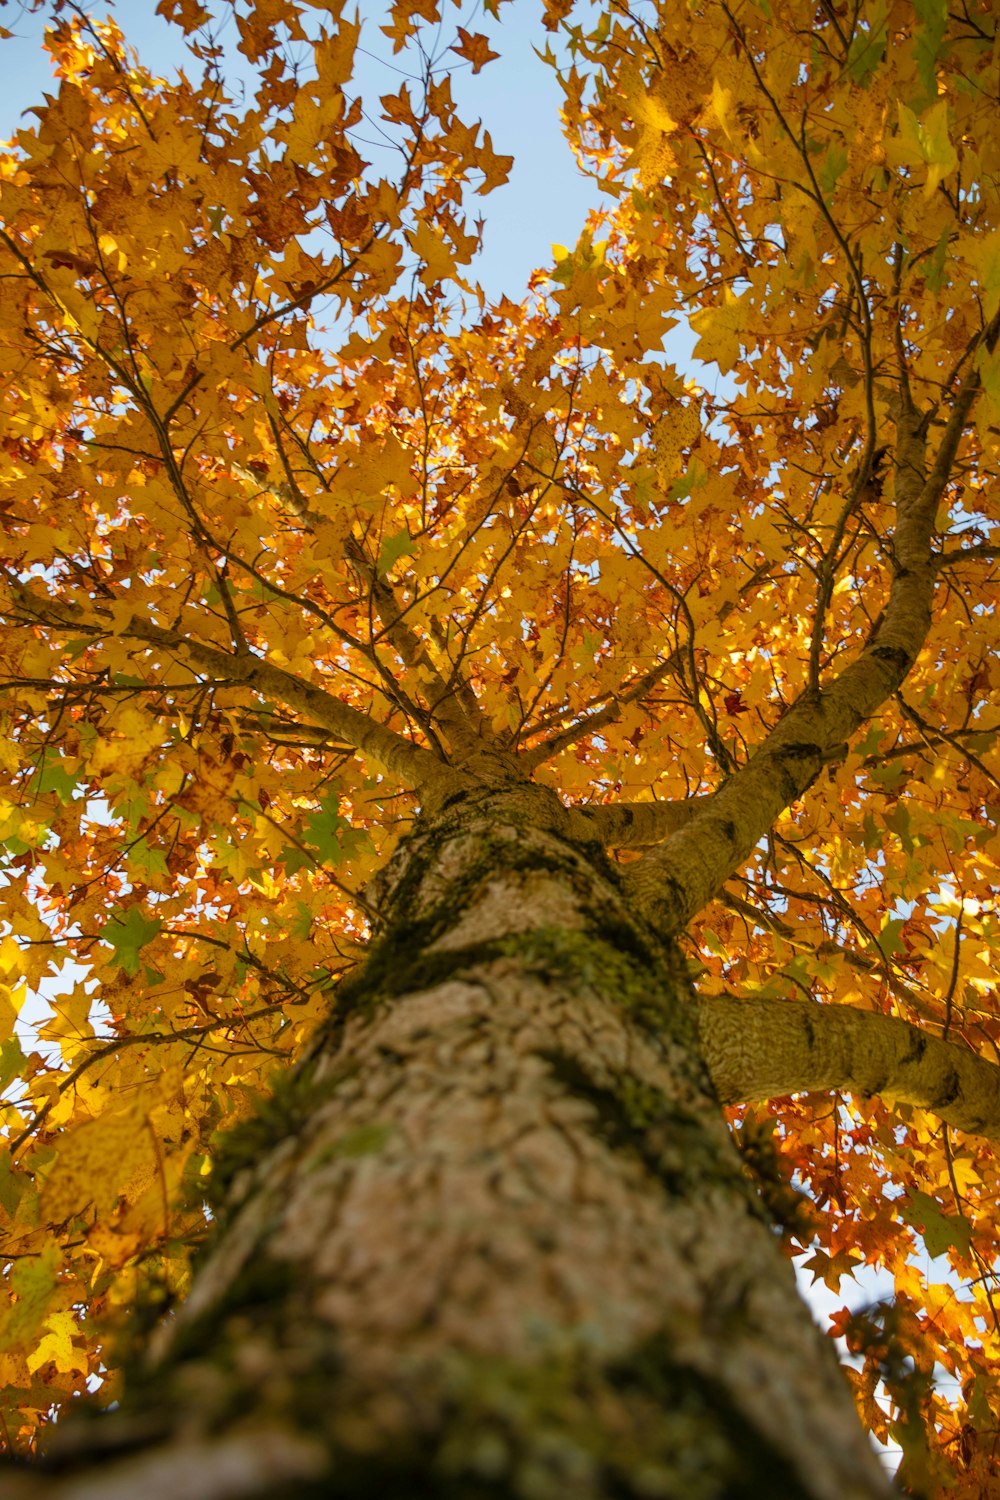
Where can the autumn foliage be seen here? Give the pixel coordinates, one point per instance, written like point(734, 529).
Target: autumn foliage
point(289, 504)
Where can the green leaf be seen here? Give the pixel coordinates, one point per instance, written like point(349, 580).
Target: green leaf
point(933, 17)
point(51, 777)
point(935, 266)
point(923, 141)
point(292, 859)
point(12, 1184)
point(868, 742)
point(129, 935)
point(695, 477)
point(400, 544)
point(327, 837)
point(713, 942)
point(12, 1061)
point(889, 775)
point(898, 821)
point(983, 254)
point(354, 841)
point(301, 924)
point(978, 1402)
point(831, 168)
point(867, 48)
point(32, 1281)
point(940, 1231)
point(323, 827)
point(147, 858)
point(889, 939)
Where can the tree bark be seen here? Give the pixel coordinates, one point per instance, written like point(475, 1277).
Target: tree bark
point(760, 1049)
point(491, 1238)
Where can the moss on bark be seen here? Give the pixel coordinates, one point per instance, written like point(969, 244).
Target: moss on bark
point(544, 1060)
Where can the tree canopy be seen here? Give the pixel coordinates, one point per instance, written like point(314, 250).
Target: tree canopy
point(302, 531)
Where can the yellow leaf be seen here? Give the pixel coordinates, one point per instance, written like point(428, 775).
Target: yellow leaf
point(923, 141)
point(57, 1346)
point(427, 241)
point(98, 1163)
point(651, 110)
point(127, 746)
point(672, 434)
point(29, 1291)
point(335, 57)
point(719, 330)
point(722, 101)
point(11, 1001)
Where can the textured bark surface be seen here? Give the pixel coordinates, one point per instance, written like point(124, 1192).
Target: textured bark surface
point(492, 1238)
point(760, 1049)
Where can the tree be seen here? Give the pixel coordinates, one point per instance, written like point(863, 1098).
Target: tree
point(458, 755)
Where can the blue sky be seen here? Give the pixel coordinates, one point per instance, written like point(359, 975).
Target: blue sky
point(516, 97)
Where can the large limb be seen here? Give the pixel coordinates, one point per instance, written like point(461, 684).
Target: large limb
point(411, 764)
point(761, 1049)
point(632, 825)
point(676, 879)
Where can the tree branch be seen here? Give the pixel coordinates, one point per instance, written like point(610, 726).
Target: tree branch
point(676, 879)
point(632, 825)
point(827, 948)
point(456, 712)
point(410, 763)
point(761, 1049)
point(629, 692)
point(983, 553)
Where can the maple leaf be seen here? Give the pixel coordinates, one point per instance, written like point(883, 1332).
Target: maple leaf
point(29, 1292)
point(924, 141)
point(128, 935)
point(58, 1346)
point(428, 242)
point(188, 14)
point(475, 49)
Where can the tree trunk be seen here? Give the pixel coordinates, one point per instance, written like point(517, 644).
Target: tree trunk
point(491, 1238)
